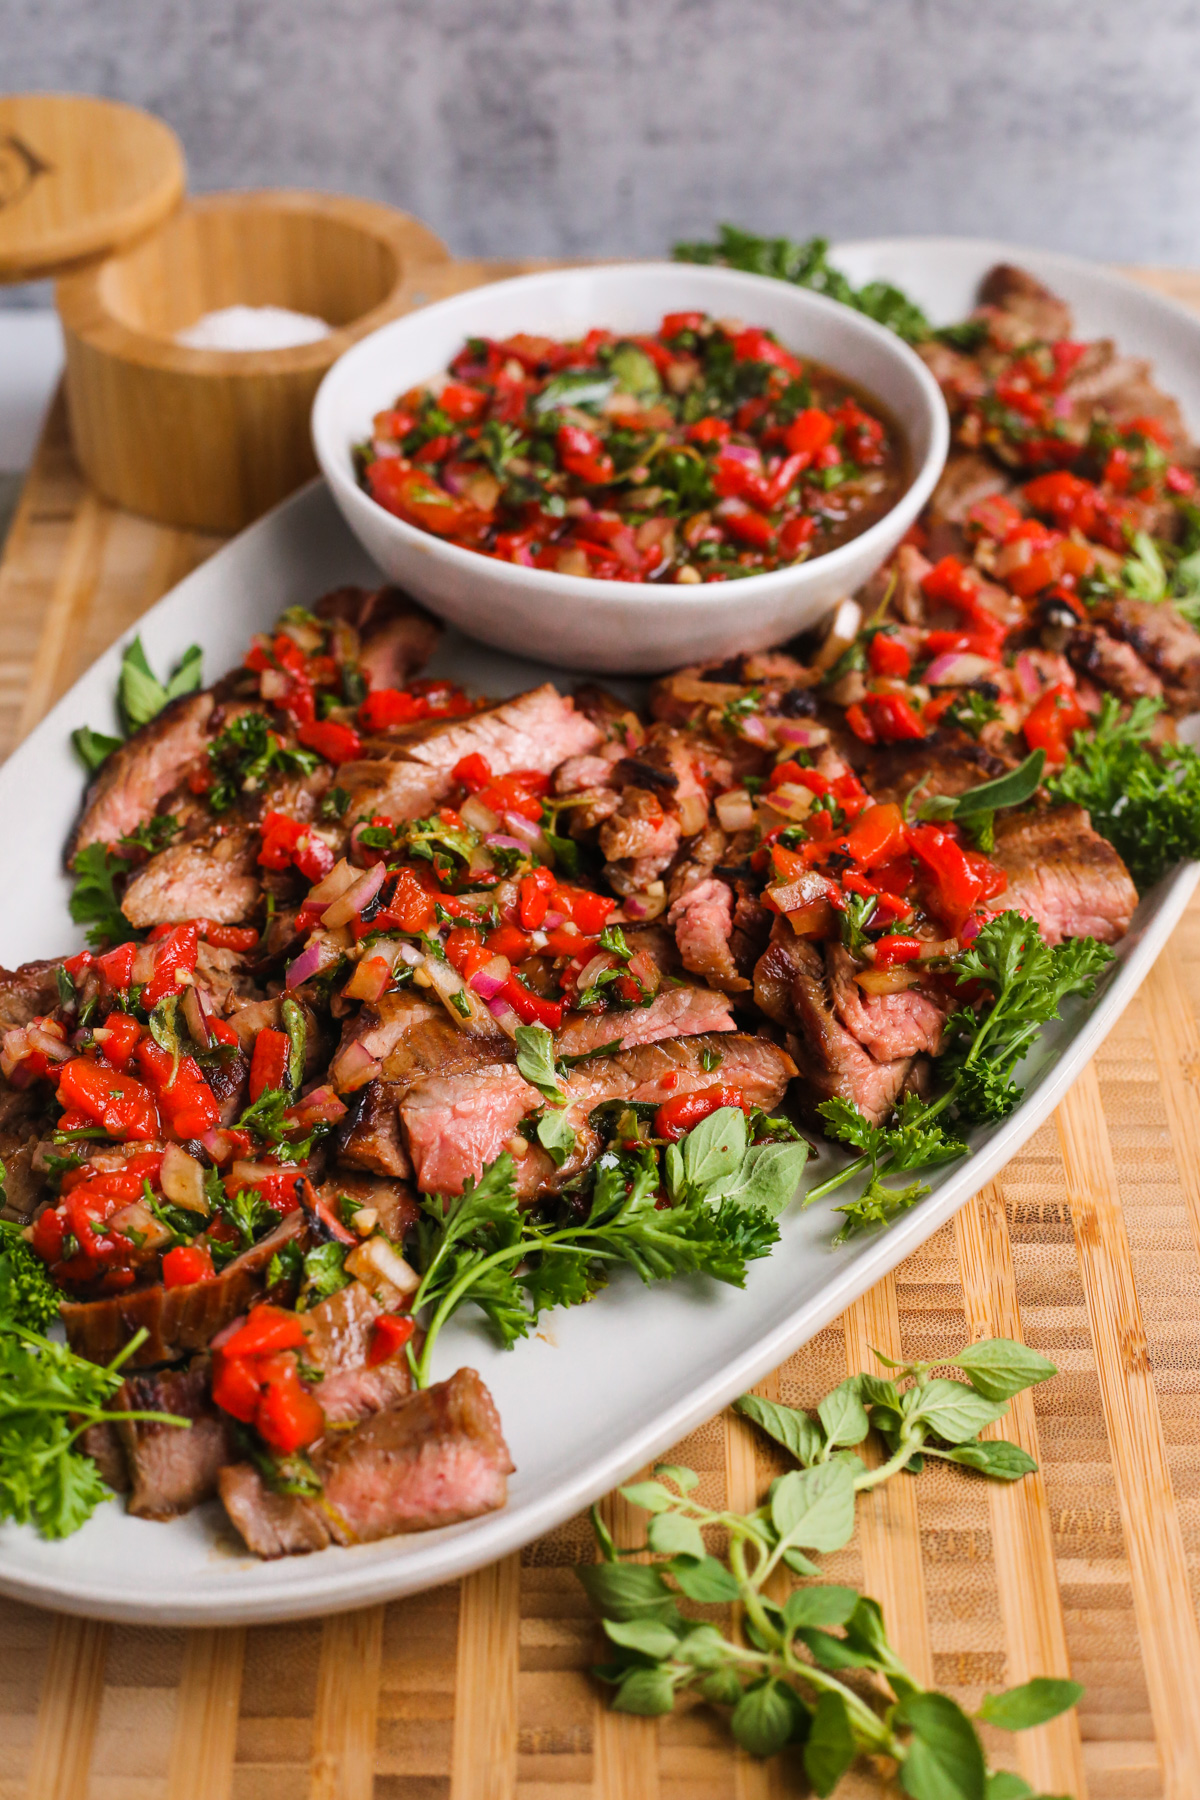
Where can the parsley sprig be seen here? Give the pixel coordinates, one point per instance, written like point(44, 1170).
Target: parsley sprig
point(1144, 799)
point(1025, 982)
point(481, 1247)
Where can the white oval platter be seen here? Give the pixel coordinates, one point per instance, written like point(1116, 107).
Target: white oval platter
point(607, 1387)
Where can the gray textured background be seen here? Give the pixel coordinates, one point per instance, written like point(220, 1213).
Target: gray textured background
point(598, 126)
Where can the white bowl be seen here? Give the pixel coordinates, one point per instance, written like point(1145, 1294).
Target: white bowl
point(615, 626)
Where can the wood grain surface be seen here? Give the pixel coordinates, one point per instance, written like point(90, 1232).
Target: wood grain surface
point(1087, 1247)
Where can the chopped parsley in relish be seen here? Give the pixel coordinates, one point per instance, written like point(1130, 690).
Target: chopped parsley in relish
point(705, 452)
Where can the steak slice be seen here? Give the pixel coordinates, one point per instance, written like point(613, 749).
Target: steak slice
point(1062, 873)
point(682, 1011)
point(432, 1459)
point(397, 636)
point(340, 1329)
point(177, 1320)
point(1042, 315)
point(173, 1469)
point(703, 921)
point(142, 771)
point(214, 879)
point(455, 1125)
point(28, 992)
point(790, 988)
point(889, 1026)
point(536, 730)
point(1165, 643)
point(1112, 663)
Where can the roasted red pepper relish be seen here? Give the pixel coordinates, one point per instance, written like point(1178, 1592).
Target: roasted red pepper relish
point(702, 453)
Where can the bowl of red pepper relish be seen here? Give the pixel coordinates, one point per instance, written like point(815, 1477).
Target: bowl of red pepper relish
point(621, 469)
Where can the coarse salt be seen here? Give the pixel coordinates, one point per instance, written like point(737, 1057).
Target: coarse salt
point(252, 328)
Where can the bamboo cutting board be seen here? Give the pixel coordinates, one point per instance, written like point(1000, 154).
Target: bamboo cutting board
point(1088, 1247)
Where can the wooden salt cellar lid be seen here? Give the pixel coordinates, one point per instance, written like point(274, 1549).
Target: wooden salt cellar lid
point(79, 178)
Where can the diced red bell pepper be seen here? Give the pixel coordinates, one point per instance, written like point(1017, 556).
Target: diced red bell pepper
point(465, 951)
point(472, 772)
point(508, 941)
point(266, 1330)
point(288, 1416)
point(228, 937)
point(860, 724)
point(894, 720)
point(174, 957)
point(675, 1118)
point(386, 707)
point(519, 792)
point(123, 1033)
point(755, 345)
point(746, 526)
point(183, 1095)
point(1070, 501)
point(409, 905)
point(1053, 721)
point(420, 500)
point(287, 841)
point(186, 1264)
point(223, 1031)
point(268, 1066)
point(336, 742)
point(587, 910)
point(536, 890)
point(896, 949)
point(530, 1008)
point(794, 533)
point(461, 403)
point(235, 1385)
point(876, 836)
point(956, 880)
point(582, 453)
point(389, 1334)
point(676, 322)
point(709, 431)
point(887, 655)
point(809, 432)
point(121, 1104)
point(117, 965)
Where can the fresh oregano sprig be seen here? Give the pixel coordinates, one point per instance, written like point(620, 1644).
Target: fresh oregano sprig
point(784, 1679)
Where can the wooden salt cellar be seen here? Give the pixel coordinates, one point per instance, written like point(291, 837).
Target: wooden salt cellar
point(210, 439)
point(206, 440)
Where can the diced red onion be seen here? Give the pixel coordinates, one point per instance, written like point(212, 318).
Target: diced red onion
point(504, 1015)
point(755, 729)
point(746, 454)
point(479, 817)
point(488, 980)
point(322, 1103)
point(958, 668)
point(1028, 679)
point(310, 962)
point(49, 1044)
point(636, 906)
point(803, 737)
point(358, 895)
point(497, 841)
point(353, 1067)
point(601, 961)
point(553, 920)
point(524, 829)
point(196, 1014)
point(339, 878)
point(735, 810)
point(15, 1049)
